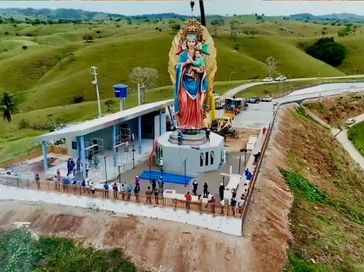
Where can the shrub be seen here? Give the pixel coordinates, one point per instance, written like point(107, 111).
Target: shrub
point(23, 124)
point(109, 103)
point(88, 38)
point(78, 99)
point(327, 50)
point(24, 47)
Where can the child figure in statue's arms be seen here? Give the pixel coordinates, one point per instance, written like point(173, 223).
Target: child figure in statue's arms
point(198, 65)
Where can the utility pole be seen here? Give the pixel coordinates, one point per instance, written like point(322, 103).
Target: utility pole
point(139, 97)
point(96, 83)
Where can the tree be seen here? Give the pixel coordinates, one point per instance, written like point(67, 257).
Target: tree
point(233, 28)
point(327, 50)
point(145, 77)
point(8, 106)
point(88, 37)
point(175, 27)
point(271, 65)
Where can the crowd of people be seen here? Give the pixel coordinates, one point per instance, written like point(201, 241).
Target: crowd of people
point(154, 190)
point(235, 202)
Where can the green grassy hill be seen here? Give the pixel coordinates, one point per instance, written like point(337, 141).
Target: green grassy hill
point(57, 61)
point(327, 215)
point(47, 65)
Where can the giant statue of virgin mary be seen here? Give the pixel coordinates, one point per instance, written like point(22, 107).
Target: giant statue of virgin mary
point(192, 65)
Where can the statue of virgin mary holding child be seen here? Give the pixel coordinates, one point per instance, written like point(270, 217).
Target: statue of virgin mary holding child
point(191, 81)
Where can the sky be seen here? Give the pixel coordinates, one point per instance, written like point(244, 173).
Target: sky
point(222, 7)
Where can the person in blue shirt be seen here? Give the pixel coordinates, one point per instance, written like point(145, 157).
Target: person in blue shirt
point(129, 189)
point(106, 190)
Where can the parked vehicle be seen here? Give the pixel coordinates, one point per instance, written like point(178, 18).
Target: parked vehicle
point(280, 78)
point(350, 121)
point(268, 79)
point(233, 106)
point(219, 102)
point(253, 100)
point(266, 99)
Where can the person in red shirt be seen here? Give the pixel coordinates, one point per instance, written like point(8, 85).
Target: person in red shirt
point(188, 200)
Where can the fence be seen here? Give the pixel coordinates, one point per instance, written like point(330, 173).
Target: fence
point(247, 203)
point(206, 208)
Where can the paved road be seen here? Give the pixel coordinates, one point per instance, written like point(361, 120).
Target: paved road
point(246, 86)
point(342, 137)
point(260, 115)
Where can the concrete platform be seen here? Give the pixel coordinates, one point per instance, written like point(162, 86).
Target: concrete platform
point(190, 159)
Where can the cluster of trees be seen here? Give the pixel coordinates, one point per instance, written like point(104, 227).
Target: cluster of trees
point(348, 29)
point(327, 50)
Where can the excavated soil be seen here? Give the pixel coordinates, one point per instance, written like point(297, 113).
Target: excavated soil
point(234, 145)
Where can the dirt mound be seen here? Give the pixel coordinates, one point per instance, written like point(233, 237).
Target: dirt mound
point(336, 110)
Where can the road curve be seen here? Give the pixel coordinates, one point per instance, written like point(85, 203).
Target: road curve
point(246, 86)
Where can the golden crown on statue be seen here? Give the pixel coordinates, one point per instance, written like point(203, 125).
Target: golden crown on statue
point(192, 27)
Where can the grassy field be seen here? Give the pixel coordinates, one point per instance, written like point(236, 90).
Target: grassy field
point(327, 216)
point(19, 251)
point(55, 66)
point(47, 66)
point(356, 135)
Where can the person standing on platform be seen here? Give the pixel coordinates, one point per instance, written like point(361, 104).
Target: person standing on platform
point(221, 191)
point(128, 191)
point(154, 185)
point(115, 190)
point(194, 185)
point(137, 183)
point(148, 194)
point(205, 190)
point(188, 200)
point(207, 134)
point(92, 187)
point(106, 190)
point(78, 164)
point(161, 185)
point(37, 180)
point(156, 196)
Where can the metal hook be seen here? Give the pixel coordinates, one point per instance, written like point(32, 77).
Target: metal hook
point(192, 4)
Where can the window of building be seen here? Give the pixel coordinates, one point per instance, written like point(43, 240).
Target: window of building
point(201, 159)
point(212, 157)
point(74, 145)
point(206, 158)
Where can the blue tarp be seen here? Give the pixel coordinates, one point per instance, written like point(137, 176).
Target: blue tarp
point(167, 177)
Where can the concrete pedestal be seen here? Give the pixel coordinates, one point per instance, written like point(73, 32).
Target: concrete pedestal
point(190, 159)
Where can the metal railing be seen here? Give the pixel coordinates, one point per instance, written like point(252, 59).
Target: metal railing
point(156, 201)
